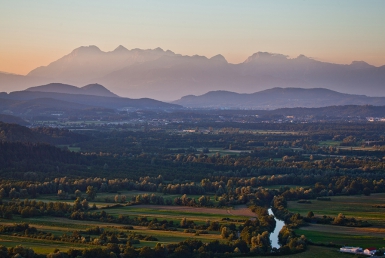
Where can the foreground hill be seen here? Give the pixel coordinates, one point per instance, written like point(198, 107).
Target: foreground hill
point(18, 133)
point(12, 119)
point(277, 98)
point(91, 89)
point(165, 75)
point(45, 106)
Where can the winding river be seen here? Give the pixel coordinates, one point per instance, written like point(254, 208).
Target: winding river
point(274, 235)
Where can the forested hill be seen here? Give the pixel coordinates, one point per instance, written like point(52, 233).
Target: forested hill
point(24, 157)
point(25, 150)
point(91, 89)
point(332, 111)
point(12, 119)
point(18, 133)
point(81, 101)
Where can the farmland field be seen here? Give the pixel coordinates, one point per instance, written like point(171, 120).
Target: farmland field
point(359, 207)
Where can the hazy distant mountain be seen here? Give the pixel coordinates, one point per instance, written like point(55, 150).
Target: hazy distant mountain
point(87, 64)
point(31, 102)
point(277, 98)
point(331, 111)
point(164, 75)
point(91, 89)
point(13, 82)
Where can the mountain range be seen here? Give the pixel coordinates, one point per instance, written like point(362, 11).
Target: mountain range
point(58, 98)
point(165, 75)
point(61, 100)
point(277, 98)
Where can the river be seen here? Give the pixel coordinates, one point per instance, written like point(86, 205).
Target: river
point(274, 235)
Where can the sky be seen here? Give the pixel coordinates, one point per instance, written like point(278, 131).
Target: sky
point(35, 33)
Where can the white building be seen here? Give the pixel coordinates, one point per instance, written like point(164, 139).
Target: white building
point(370, 251)
point(351, 249)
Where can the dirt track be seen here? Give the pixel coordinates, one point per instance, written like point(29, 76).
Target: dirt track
point(240, 210)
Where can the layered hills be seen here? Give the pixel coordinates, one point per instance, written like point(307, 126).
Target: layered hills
point(165, 75)
point(277, 98)
point(59, 99)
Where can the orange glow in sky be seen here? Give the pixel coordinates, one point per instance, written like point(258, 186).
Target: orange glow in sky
point(36, 33)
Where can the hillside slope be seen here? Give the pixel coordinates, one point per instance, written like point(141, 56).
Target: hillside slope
point(277, 98)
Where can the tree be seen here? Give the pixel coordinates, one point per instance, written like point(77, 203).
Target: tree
point(85, 204)
point(78, 193)
point(91, 192)
point(339, 220)
point(160, 250)
point(113, 247)
point(77, 205)
point(61, 194)
point(146, 252)
point(225, 233)
point(13, 193)
point(183, 223)
point(114, 239)
point(261, 243)
point(24, 252)
point(129, 252)
point(202, 200)
point(366, 191)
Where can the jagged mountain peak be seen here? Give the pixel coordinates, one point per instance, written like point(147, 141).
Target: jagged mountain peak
point(264, 56)
point(360, 65)
point(159, 49)
point(91, 49)
point(161, 74)
point(303, 57)
point(120, 48)
point(219, 58)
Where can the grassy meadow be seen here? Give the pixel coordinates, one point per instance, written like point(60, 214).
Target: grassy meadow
point(359, 207)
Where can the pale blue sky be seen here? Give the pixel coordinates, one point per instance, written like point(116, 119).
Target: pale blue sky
point(34, 33)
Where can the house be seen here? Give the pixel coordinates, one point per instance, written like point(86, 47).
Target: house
point(370, 251)
point(350, 249)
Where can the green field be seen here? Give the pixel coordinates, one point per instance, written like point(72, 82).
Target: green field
point(40, 246)
point(329, 143)
point(105, 199)
point(342, 239)
point(171, 214)
point(359, 207)
point(60, 226)
point(70, 148)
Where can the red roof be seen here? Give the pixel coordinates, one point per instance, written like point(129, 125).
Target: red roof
point(371, 248)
